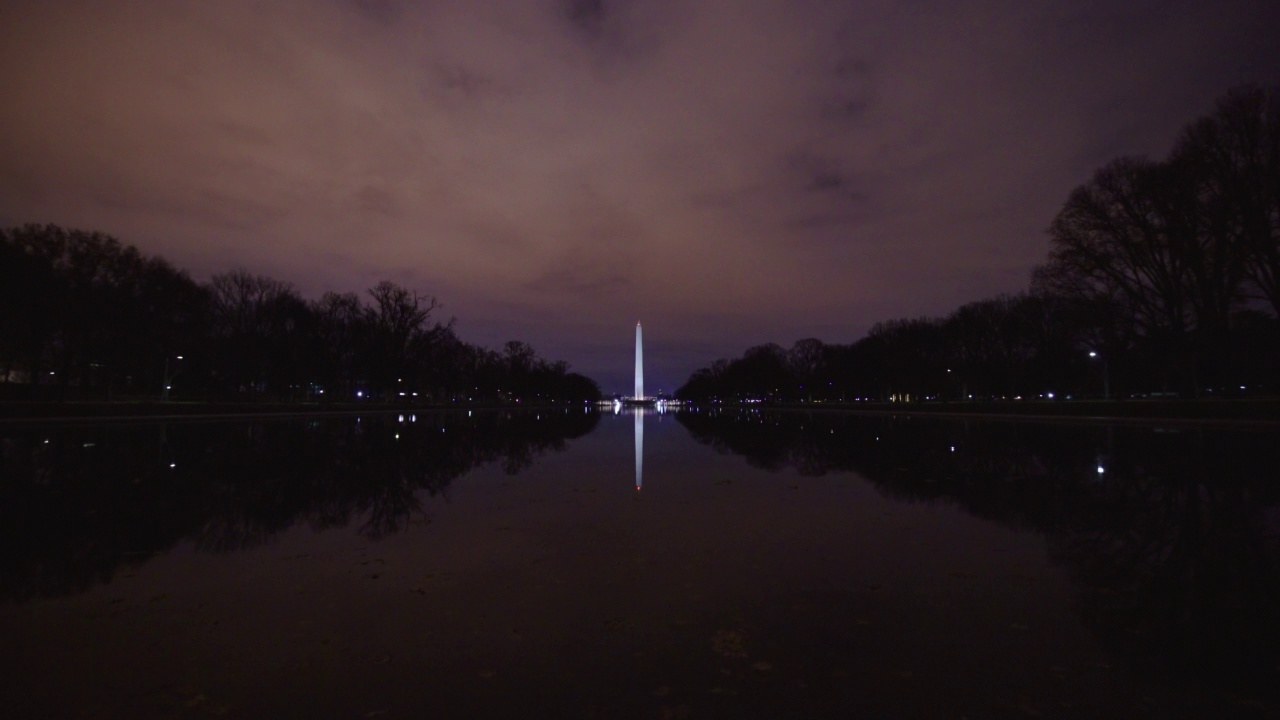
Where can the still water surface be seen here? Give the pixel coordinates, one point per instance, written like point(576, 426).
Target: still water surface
point(701, 564)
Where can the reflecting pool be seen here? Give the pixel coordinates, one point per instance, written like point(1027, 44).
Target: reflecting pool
point(581, 564)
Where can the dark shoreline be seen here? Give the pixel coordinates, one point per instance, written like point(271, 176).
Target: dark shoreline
point(1249, 412)
point(124, 411)
point(1261, 411)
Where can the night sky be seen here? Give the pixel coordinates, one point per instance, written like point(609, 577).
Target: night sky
point(729, 173)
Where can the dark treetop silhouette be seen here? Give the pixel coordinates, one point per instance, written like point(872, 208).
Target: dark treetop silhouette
point(1162, 278)
point(84, 317)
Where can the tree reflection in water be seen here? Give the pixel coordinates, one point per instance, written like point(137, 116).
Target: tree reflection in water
point(79, 503)
point(1170, 535)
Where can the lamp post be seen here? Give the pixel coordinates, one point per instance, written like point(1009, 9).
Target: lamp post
point(1106, 375)
point(168, 378)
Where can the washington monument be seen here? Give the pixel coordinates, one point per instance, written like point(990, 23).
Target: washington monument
point(639, 394)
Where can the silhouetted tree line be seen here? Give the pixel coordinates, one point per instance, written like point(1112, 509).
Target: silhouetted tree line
point(79, 504)
point(1168, 537)
point(82, 315)
point(1168, 271)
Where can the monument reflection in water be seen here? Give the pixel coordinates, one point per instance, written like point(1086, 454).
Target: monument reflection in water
point(639, 434)
point(781, 564)
point(638, 413)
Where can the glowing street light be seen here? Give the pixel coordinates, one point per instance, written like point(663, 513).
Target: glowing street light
point(169, 376)
point(1106, 375)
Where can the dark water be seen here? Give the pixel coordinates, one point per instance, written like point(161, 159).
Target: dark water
point(769, 565)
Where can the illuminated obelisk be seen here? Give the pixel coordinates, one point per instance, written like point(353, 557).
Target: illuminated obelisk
point(639, 365)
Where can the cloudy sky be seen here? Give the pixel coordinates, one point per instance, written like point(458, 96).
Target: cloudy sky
point(729, 173)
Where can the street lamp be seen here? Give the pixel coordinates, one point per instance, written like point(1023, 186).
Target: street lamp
point(168, 377)
point(1106, 375)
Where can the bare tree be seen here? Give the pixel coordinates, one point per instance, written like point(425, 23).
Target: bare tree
point(1235, 155)
point(1110, 242)
point(399, 338)
point(256, 321)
